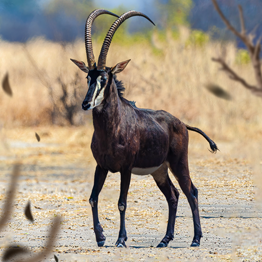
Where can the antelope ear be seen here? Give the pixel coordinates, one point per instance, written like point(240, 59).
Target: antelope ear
point(81, 65)
point(119, 67)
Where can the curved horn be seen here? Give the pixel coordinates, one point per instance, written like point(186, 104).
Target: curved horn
point(88, 41)
point(110, 34)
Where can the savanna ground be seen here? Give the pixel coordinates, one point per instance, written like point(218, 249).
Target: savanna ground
point(57, 172)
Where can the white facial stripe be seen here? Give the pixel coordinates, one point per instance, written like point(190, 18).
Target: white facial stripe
point(100, 97)
point(98, 86)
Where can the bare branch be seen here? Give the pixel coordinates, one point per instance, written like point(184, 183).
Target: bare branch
point(252, 34)
point(234, 76)
point(49, 245)
point(229, 26)
point(44, 81)
point(257, 47)
point(8, 206)
point(254, 52)
point(242, 21)
point(70, 109)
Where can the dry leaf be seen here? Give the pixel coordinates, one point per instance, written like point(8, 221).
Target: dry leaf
point(218, 91)
point(28, 212)
point(13, 251)
point(6, 86)
point(37, 137)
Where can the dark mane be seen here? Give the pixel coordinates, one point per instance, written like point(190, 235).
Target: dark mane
point(121, 89)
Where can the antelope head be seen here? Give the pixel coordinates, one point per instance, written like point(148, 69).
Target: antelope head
point(100, 77)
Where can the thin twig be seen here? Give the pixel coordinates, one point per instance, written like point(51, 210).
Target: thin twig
point(254, 52)
point(229, 26)
point(49, 245)
point(233, 75)
point(242, 21)
point(8, 206)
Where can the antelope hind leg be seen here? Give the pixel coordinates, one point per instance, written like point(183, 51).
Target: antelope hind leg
point(171, 194)
point(181, 172)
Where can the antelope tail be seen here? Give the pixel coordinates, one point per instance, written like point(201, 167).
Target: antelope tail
point(212, 144)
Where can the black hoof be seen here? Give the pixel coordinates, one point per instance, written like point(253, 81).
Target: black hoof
point(121, 245)
point(162, 244)
point(101, 243)
point(195, 244)
point(121, 242)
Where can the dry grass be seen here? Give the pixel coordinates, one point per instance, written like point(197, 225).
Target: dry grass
point(168, 75)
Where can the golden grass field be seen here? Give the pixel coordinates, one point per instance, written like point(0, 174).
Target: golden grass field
point(167, 74)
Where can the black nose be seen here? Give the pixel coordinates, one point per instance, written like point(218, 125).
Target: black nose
point(85, 105)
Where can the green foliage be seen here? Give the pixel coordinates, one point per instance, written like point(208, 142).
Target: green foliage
point(121, 36)
point(175, 35)
point(157, 51)
point(197, 38)
point(139, 37)
point(104, 22)
point(242, 57)
point(125, 39)
point(173, 12)
point(161, 35)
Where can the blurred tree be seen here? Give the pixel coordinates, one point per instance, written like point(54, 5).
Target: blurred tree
point(79, 9)
point(16, 18)
point(203, 16)
point(25, 7)
point(65, 18)
point(173, 12)
point(102, 25)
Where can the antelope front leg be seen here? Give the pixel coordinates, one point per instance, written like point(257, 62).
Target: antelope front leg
point(125, 182)
point(100, 177)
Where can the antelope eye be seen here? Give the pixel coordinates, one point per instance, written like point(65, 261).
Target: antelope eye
point(103, 80)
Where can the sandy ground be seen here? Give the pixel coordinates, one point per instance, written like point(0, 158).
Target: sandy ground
point(58, 178)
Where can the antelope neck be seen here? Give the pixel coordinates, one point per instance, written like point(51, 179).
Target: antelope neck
point(110, 110)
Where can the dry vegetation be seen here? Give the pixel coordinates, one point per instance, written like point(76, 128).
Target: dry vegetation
point(169, 75)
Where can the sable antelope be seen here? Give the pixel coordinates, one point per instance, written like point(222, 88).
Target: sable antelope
point(129, 140)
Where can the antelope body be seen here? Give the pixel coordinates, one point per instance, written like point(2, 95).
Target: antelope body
point(129, 140)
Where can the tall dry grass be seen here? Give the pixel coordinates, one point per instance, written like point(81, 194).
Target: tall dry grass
point(168, 75)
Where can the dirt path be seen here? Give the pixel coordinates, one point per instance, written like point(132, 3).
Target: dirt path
point(230, 214)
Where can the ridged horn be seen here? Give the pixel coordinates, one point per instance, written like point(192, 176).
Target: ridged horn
point(88, 41)
point(104, 50)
